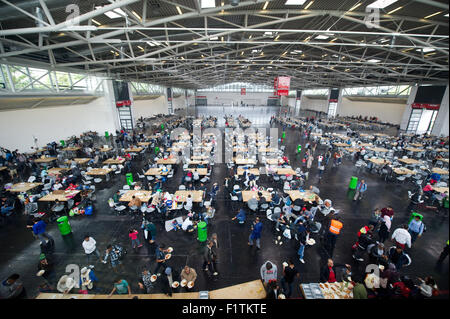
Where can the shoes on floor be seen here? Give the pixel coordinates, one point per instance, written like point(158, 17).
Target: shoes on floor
point(302, 260)
point(140, 245)
point(215, 273)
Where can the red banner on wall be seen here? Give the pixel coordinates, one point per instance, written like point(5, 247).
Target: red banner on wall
point(282, 84)
point(123, 103)
point(425, 106)
point(243, 91)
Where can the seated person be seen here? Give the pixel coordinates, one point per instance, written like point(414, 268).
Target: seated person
point(240, 216)
point(188, 225)
point(7, 205)
point(282, 222)
point(176, 225)
point(135, 203)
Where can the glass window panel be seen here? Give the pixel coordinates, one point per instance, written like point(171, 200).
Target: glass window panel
point(20, 78)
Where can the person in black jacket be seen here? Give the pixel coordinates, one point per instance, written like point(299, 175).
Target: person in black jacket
point(329, 271)
point(274, 291)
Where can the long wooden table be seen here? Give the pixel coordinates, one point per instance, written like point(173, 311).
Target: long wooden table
point(143, 195)
point(134, 150)
point(80, 161)
point(23, 187)
point(197, 196)
point(155, 171)
point(378, 149)
point(247, 195)
point(45, 160)
point(167, 161)
point(440, 171)
point(114, 161)
point(307, 196)
point(57, 170)
point(285, 171)
point(379, 161)
point(244, 161)
point(409, 161)
point(403, 171)
point(99, 171)
point(60, 195)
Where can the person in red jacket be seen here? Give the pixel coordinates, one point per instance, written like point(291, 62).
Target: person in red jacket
point(387, 211)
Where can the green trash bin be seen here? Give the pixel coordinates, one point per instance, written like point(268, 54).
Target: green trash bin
point(129, 178)
point(62, 143)
point(64, 225)
point(202, 232)
point(106, 134)
point(156, 150)
point(353, 182)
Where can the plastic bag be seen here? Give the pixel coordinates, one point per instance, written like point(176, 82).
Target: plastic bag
point(287, 233)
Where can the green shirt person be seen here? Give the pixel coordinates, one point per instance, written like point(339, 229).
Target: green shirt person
point(359, 291)
point(122, 287)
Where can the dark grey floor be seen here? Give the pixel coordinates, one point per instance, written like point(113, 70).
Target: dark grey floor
point(238, 263)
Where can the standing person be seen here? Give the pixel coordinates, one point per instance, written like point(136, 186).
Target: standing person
point(329, 271)
point(402, 237)
point(121, 286)
point(135, 243)
point(302, 236)
point(289, 274)
point(385, 227)
point(113, 252)
point(209, 258)
point(189, 274)
point(256, 234)
point(145, 284)
point(310, 161)
point(415, 228)
point(160, 258)
point(268, 272)
point(90, 248)
point(389, 211)
point(360, 189)
point(39, 231)
point(332, 235)
point(149, 231)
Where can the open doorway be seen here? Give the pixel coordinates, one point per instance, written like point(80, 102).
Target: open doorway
point(421, 121)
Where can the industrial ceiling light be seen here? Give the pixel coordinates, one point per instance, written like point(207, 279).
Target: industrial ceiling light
point(373, 60)
point(381, 4)
point(355, 6)
point(179, 10)
point(322, 37)
point(309, 4)
point(432, 15)
point(265, 5)
point(136, 15)
point(234, 2)
point(395, 10)
point(426, 50)
point(96, 22)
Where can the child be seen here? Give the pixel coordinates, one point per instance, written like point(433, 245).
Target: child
point(134, 238)
point(175, 225)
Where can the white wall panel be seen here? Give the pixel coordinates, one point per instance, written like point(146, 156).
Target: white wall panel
point(18, 127)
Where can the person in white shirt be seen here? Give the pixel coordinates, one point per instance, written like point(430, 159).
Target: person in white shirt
point(90, 248)
point(402, 237)
point(187, 224)
point(189, 203)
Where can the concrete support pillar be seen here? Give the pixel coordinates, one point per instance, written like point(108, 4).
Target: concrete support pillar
point(441, 124)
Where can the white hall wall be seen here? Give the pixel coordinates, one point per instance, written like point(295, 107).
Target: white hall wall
point(17, 127)
point(148, 108)
point(385, 112)
point(228, 98)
